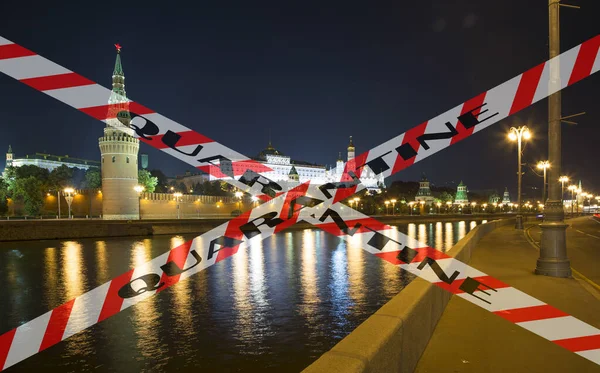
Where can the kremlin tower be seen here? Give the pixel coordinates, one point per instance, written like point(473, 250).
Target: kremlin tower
point(119, 151)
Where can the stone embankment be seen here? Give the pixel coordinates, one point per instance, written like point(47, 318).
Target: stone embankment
point(21, 230)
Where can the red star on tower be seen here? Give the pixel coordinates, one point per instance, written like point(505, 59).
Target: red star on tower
point(118, 46)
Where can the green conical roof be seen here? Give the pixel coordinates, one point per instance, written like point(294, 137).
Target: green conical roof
point(293, 171)
point(10, 149)
point(461, 183)
point(118, 68)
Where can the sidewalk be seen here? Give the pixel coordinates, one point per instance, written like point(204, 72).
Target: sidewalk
point(471, 339)
point(583, 246)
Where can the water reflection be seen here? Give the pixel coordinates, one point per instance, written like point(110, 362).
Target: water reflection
point(310, 295)
point(449, 236)
point(275, 306)
point(73, 270)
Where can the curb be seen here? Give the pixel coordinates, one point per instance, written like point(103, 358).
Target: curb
point(394, 338)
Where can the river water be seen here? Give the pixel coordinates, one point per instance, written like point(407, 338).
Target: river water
point(275, 307)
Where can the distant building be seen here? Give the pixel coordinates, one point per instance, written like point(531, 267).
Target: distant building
point(189, 180)
point(424, 193)
point(48, 161)
point(144, 160)
point(506, 197)
point(461, 195)
point(282, 165)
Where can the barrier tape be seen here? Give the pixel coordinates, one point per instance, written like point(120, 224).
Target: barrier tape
point(584, 63)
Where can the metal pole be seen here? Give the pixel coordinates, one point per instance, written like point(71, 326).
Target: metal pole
point(544, 189)
point(572, 196)
point(58, 199)
point(519, 220)
point(553, 259)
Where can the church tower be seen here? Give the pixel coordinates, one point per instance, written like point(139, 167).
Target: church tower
point(350, 149)
point(461, 195)
point(119, 152)
point(506, 197)
point(339, 166)
point(424, 193)
point(9, 157)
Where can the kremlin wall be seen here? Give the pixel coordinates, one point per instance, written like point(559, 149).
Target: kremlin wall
point(88, 203)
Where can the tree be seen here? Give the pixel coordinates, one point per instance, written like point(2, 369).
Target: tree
point(29, 190)
point(3, 196)
point(93, 179)
point(60, 177)
point(78, 178)
point(26, 171)
point(146, 180)
point(162, 179)
point(445, 197)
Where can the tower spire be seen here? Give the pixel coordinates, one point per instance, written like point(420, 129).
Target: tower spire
point(350, 149)
point(119, 106)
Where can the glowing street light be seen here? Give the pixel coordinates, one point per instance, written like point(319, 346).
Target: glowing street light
point(139, 189)
point(410, 205)
point(448, 205)
point(387, 203)
point(518, 134)
point(177, 195)
point(438, 206)
point(68, 193)
point(239, 195)
point(394, 207)
point(563, 180)
point(543, 165)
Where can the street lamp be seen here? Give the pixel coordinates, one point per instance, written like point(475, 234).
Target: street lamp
point(387, 203)
point(439, 205)
point(410, 205)
point(254, 201)
point(356, 200)
point(68, 192)
point(572, 188)
point(177, 195)
point(239, 196)
point(543, 165)
point(473, 204)
point(393, 206)
point(563, 180)
point(518, 134)
point(484, 207)
point(139, 189)
point(448, 206)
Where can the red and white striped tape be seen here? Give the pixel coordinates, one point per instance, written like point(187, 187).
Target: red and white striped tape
point(470, 284)
point(579, 69)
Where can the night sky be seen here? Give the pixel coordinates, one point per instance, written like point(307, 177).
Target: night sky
point(310, 73)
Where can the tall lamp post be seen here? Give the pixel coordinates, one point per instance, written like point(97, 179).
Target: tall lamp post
point(387, 203)
point(563, 180)
point(68, 192)
point(177, 195)
point(572, 188)
point(518, 134)
point(393, 206)
point(139, 189)
point(543, 165)
point(239, 196)
point(553, 259)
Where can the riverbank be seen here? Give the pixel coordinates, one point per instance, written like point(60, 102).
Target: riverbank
point(24, 230)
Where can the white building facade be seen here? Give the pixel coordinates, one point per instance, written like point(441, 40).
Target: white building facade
point(281, 166)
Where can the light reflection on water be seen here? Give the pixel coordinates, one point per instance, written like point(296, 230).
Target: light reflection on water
point(276, 306)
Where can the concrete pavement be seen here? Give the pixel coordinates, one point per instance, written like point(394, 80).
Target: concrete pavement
point(470, 339)
point(583, 245)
